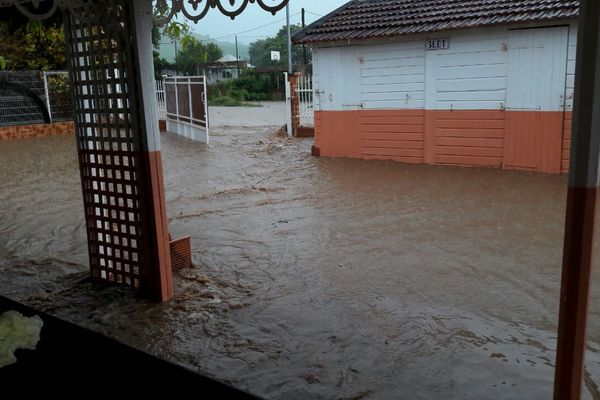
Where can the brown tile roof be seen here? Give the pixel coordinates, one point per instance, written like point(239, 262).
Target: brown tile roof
point(365, 19)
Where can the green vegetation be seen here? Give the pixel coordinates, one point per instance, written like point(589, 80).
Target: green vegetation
point(194, 52)
point(32, 45)
point(260, 51)
point(167, 49)
point(226, 101)
point(250, 86)
point(172, 31)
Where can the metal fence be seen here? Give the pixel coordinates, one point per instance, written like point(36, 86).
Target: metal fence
point(305, 98)
point(161, 108)
point(187, 109)
point(58, 98)
point(31, 97)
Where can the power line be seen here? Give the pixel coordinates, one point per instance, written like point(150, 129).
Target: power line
point(254, 36)
point(315, 14)
point(254, 29)
point(239, 34)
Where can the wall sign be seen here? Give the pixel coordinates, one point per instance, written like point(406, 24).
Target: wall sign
point(437, 44)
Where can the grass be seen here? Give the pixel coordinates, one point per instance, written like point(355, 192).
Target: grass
point(226, 101)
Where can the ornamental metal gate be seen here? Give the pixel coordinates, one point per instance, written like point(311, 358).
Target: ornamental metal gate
point(305, 100)
point(300, 99)
point(187, 108)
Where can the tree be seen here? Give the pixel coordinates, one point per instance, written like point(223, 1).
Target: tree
point(159, 64)
point(32, 46)
point(194, 52)
point(260, 50)
point(172, 30)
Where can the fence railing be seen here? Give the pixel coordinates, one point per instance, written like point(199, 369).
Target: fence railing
point(161, 107)
point(31, 97)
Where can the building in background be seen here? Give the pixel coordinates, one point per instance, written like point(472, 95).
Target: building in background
point(225, 68)
point(423, 81)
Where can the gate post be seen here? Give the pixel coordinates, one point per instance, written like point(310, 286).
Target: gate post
point(159, 282)
point(288, 104)
point(581, 204)
point(112, 86)
point(295, 102)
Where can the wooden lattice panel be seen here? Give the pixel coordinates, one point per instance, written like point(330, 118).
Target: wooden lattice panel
point(181, 253)
point(110, 142)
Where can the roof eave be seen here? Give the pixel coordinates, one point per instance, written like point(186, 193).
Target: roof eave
point(391, 36)
point(301, 34)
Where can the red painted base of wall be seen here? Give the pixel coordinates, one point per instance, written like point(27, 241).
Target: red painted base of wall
point(36, 130)
point(536, 141)
point(304, 132)
point(161, 286)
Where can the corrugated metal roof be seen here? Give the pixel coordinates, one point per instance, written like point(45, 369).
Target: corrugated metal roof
point(365, 19)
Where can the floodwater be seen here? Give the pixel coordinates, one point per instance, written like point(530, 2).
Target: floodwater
point(315, 278)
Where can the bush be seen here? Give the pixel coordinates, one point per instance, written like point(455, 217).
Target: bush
point(216, 90)
point(250, 86)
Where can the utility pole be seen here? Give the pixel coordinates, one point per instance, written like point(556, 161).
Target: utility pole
point(304, 60)
point(289, 37)
point(237, 57)
point(176, 61)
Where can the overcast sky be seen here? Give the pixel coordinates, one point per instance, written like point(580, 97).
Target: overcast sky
point(218, 26)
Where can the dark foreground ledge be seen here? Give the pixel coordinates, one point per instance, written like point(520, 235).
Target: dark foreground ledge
point(69, 357)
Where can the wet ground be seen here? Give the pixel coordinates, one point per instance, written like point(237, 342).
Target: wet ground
point(315, 277)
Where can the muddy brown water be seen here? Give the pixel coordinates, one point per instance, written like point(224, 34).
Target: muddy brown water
point(316, 278)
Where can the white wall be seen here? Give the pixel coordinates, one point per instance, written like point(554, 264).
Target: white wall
point(571, 56)
point(336, 78)
point(537, 63)
point(393, 75)
point(471, 74)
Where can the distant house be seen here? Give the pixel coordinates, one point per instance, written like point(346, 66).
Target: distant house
point(224, 69)
point(461, 82)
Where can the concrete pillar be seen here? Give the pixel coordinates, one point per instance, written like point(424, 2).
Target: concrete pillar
point(160, 284)
point(112, 86)
point(581, 203)
point(295, 102)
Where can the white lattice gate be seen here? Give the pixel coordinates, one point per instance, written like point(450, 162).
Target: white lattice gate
point(306, 101)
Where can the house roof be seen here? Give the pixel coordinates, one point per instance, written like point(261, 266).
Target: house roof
point(228, 58)
point(366, 19)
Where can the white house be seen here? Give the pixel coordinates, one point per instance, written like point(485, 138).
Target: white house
point(461, 82)
point(225, 68)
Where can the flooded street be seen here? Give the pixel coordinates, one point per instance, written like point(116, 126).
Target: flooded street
point(315, 277)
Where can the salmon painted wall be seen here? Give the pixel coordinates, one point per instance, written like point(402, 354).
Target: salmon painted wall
point(497, 97)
